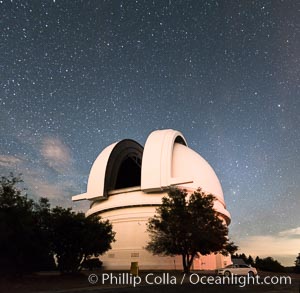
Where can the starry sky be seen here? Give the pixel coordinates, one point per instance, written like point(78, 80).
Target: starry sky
point(77, 76)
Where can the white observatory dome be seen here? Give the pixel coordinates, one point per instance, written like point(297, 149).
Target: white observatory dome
point(127, 183)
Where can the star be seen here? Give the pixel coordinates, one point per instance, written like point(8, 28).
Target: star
point(80, 75)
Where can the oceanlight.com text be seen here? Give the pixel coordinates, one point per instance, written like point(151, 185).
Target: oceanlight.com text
point(241, 281)
point(193, 279)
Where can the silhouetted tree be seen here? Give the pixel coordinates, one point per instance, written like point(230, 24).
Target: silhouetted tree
point(297, 264)
point(42, 256)
point(16, 227)
point(268, 264)
point(187, 225)
point(32, 233)
point(250, 260)
point(241, 256)
point(75, 237)
point(92, 263)
point(231, 248)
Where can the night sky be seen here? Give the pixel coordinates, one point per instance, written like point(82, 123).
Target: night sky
point(77, 76)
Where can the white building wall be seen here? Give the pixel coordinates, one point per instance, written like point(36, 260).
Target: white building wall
point(130, 225)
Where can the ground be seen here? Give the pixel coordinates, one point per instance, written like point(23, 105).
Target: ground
point(48, 283)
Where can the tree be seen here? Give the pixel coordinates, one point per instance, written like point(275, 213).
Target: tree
point(231, 248)
point(297, 264)
point(268, 264)
point(16, 228)
point(187, 225)
point(42, 256)
point(24, 230)
point(32, 233)
point(242, 256)
point(75, 238)
point(250, 260)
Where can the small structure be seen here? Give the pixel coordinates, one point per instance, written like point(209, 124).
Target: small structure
point(127, 183)
point(237, 261)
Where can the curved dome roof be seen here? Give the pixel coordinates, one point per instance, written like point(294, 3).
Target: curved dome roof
point(108, 171)
point(165, 161)
point(188, 163)
point(157, 160)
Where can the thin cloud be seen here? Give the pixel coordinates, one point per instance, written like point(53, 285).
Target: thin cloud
point(50, 154)
point(56, 154)
point(294, 233)
point(57, 190)
point(283, 246)
point(43, 188)
point(9, 161)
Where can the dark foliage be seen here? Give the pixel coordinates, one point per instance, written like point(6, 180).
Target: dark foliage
point(268, 264)
point(75, 238)
point(297, 264)
point(32, 233)
point(21, 245)
point(248, 260)
point(92, 263)
point(187, 225)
